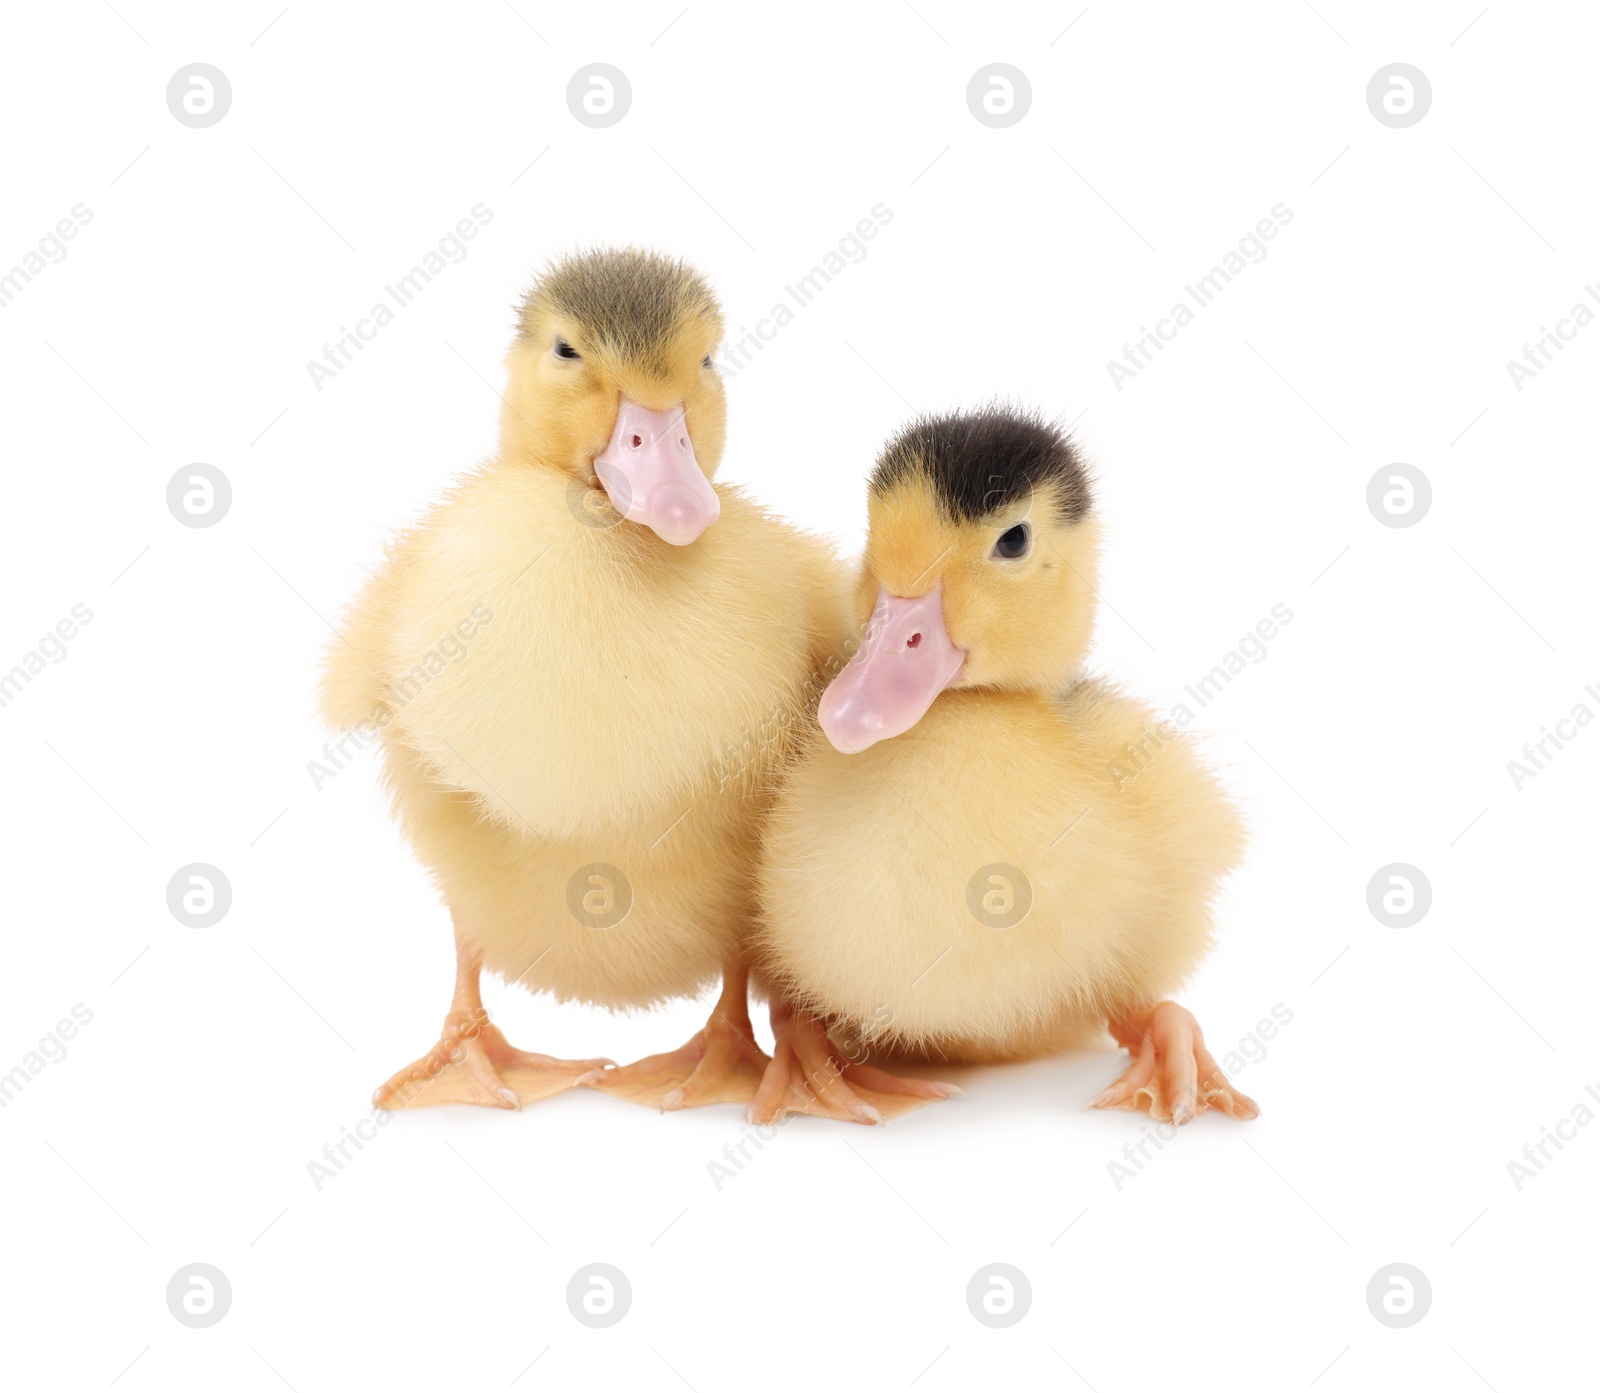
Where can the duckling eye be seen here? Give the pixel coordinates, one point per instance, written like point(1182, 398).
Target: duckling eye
point(706, 361)
point(1013, 544)
point(567, 351)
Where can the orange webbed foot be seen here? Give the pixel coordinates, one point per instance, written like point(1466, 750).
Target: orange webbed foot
point(474, 1063)
point(721, 1063)
point(808, 1075)
point(1173, 1075)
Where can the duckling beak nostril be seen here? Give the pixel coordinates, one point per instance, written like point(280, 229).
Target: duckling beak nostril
point(652, 483)
point(890, 684)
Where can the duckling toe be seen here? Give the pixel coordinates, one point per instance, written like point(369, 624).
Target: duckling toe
point(720, 1064)
point(1173, 1075)
point(808, 1076)
point(482, 1069)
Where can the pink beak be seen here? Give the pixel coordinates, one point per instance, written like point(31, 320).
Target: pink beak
point(652, 477)
point(906, 660)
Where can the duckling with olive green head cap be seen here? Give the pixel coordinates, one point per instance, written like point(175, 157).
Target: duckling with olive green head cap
point(585, 666)
point(957, 871)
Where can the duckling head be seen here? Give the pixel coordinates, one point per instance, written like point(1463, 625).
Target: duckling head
point(611, 380)
point(980, 569)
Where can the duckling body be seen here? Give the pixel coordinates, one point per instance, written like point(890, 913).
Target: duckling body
point(617, 705)
point(586, 664)
point(979, 889)
point(990, 856)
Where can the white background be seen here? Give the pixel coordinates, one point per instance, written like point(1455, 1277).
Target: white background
point(1233, 475)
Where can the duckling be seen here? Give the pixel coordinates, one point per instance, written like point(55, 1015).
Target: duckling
point(584, 665)
point(965, 869)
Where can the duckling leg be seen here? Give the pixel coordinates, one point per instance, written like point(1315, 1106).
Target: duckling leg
point(807, 1075)
point(721, 1064)
point(473, 1061)
point(1173, 1074)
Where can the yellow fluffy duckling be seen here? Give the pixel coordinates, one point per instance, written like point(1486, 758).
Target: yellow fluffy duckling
point(585, 664)
point(965, 869)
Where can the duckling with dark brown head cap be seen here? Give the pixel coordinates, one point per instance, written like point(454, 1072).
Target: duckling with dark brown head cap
point(956, 871)
point(586, 664)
